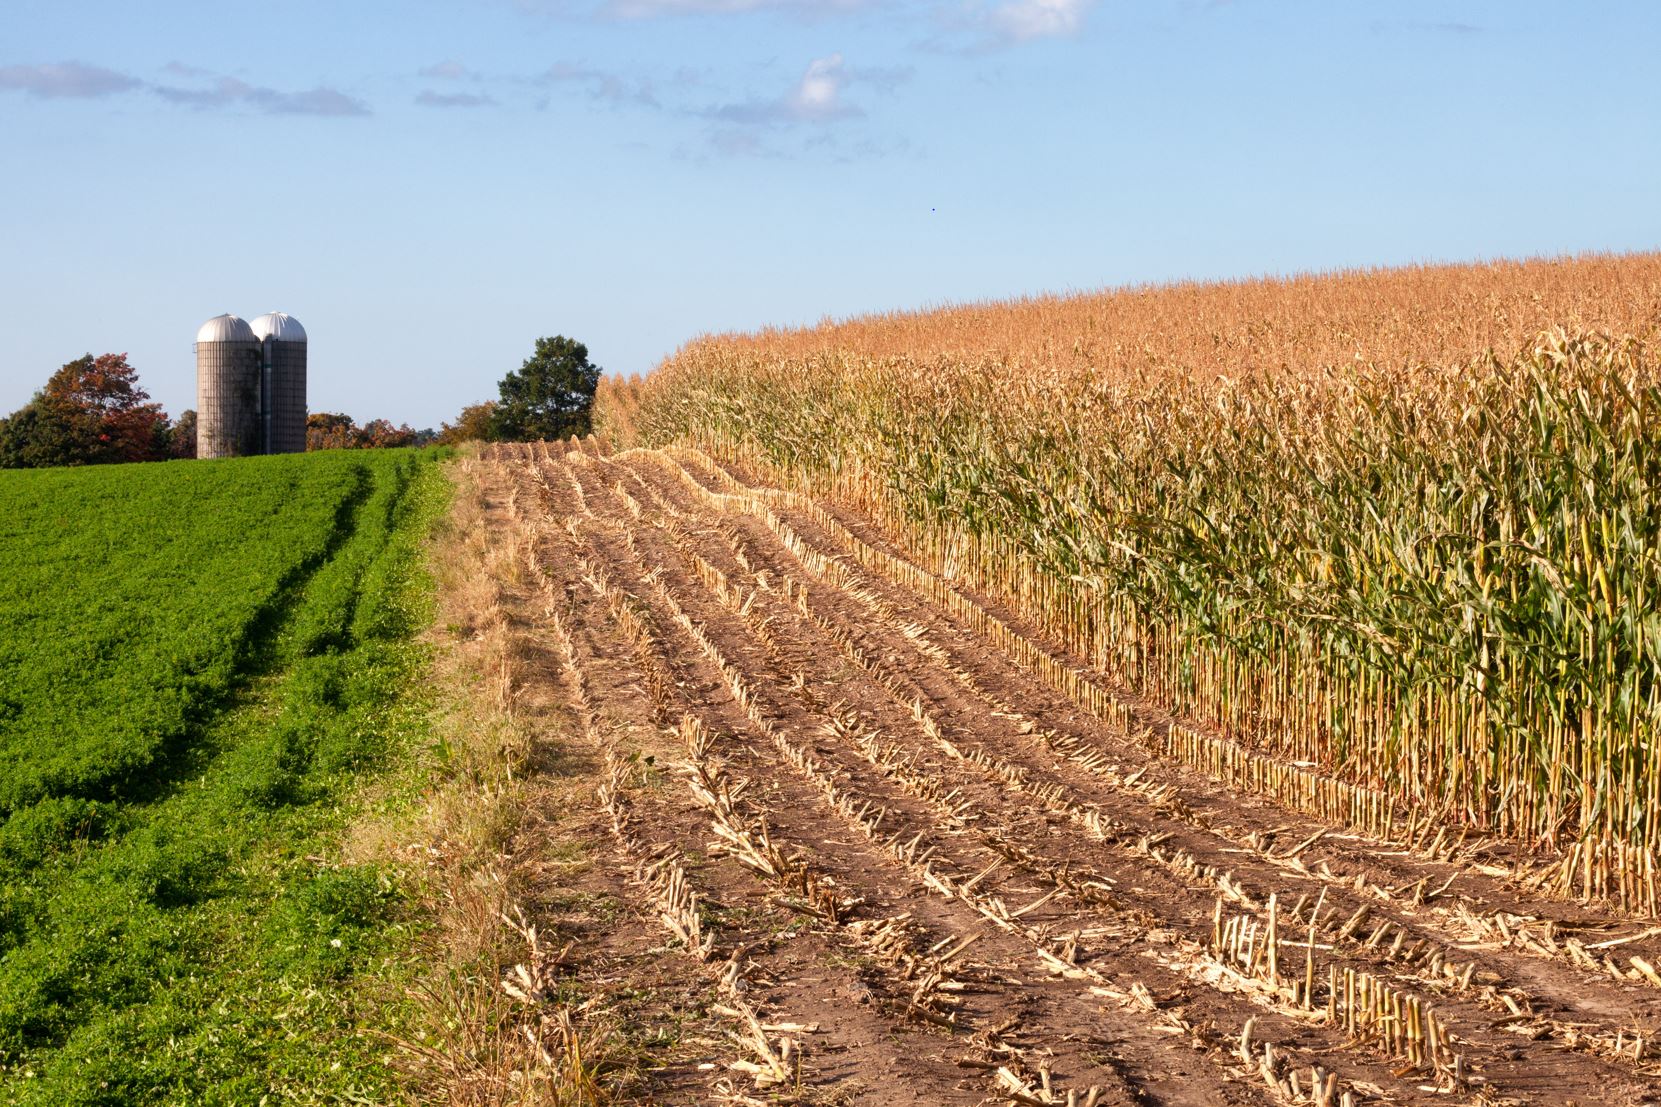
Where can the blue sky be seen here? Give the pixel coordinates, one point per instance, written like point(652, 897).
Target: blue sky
point(428, 185)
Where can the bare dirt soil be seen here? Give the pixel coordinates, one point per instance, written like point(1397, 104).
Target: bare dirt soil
point(866, 850)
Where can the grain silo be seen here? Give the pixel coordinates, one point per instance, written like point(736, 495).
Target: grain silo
point(227, 389)
point(283, 352)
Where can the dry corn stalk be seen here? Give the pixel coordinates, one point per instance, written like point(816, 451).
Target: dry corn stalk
point(1104, 488)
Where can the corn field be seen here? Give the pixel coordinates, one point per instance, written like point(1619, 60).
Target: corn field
point(874, 840)
point(1398, 527)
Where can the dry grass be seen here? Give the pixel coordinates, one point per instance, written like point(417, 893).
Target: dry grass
point(495, 1030)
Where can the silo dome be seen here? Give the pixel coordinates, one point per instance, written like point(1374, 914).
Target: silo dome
point(283, 344)
point(225, 328)
point(279, 325)
point(227, 389)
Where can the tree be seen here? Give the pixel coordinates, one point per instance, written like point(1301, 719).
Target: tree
point(326, 430)
point(92, 411)
point(380, 433)
point(39, 434)
point(474, 424)
point(104, 392)
point(181, 440)
point(550, 395)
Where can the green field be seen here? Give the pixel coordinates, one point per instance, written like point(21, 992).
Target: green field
point(204, 666)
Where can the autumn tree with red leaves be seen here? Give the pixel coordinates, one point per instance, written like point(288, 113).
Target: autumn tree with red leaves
point(91, 412)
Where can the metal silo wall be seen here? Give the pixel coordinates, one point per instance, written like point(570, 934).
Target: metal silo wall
point(227, 399)
point(288, 397)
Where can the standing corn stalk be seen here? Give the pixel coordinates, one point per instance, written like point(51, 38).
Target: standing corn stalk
point(1435, 582)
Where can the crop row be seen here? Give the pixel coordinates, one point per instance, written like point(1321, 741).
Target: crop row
point(927, 763)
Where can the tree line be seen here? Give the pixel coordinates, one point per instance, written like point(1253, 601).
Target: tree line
point(93, 411)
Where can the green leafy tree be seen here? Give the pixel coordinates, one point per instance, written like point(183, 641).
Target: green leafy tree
point(40, 434)
point(550, 396)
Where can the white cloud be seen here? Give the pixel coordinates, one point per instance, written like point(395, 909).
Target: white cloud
point(816, 98)
point(65, 80)
point(1024, 20)
point(819, 95)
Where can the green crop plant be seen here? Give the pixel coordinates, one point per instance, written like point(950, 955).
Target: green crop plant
point(201, 664)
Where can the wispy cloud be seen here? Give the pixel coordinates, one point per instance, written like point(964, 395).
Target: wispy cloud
point(807, 10)
point(74, 80)
point(1025, 20)
point(650, 9)
point(180, 69)
point(736, 143)
point(604, 86)
point(883, 78)
point(983, 26)
point(725, 143)
point(66, 80)
point(230, 92)
point(453, 71)
point(446, 71)
point(429, 99)
point(816, 98)
point(1443, 27)
point(313, 101)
